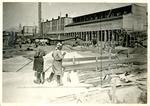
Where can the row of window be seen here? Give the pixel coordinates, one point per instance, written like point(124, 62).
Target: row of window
point(102, 15)
point(103, 35)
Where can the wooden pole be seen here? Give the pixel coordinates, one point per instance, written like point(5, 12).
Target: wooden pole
point(96, 63)
point(73, 60)
point(39, 17)
point(101, 63)
point(114, 90)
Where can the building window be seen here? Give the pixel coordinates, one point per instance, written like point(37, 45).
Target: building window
point(99, 35)
point(107, 35)
point(103, 35)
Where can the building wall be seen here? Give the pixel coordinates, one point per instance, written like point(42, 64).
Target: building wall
point(137, 20)
point(128, 22)
point(106, 25)
point(29, 29)
point(139, 10)
point(68, 21)
point(139, 23)
point(101, 25)
point(133, 19)
point(140, 17)
point(46, 27)
point(9, 39)
point(55, 26)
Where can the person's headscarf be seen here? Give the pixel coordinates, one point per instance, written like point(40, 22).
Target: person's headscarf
point(59, 46)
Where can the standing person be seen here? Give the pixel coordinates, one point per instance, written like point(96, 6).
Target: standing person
point(20, 43)
point(38, 66)
point(57, 65)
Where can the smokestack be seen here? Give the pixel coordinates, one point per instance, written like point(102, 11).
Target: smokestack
point(39, 17)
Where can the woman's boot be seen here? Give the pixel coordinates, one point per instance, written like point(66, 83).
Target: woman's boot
point(42, 77)
point(50, 77)
point(38, 81)
point(59, 80)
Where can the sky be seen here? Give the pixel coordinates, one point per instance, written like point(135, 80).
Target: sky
point(26, 13)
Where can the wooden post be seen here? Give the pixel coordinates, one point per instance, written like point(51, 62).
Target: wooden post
point(109, 53)
point(109, 59)
point(114, 91)
point(96, 59)
point(73, 60)
point(96, 63)
point(101, 61)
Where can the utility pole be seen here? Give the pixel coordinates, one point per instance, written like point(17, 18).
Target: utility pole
point(101, 52)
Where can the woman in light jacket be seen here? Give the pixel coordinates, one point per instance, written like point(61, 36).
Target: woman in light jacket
point(57, 64)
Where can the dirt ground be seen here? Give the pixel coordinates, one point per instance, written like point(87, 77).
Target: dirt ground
point(125, 84)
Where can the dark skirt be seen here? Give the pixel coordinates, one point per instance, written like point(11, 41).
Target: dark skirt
point(38, 64)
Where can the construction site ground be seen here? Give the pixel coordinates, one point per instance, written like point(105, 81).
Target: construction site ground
point(121, 82)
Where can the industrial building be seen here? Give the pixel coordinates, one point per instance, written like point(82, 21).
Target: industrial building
point(103, 25)
point(9, 39)
point(29, 30)
point(55, 27)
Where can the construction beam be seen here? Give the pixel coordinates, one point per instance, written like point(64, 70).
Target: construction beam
point(105, 64)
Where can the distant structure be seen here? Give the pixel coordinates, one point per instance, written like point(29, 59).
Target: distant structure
point(20, 28)
point(9, 39)
point(29, 31)
point(103, 25)
point(55, 27)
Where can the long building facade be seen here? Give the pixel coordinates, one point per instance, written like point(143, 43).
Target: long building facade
point(102, 25)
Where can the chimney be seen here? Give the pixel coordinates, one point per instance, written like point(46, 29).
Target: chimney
point(39, 17)
point(58, 17)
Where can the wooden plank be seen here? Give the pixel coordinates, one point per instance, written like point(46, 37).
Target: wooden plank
point(88, 58)
point(88, 65)
point(97, 64)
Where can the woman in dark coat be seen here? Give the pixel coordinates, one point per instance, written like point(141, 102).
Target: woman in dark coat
point(38, 66)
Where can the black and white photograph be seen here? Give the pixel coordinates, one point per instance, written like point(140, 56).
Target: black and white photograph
point(74, 52)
